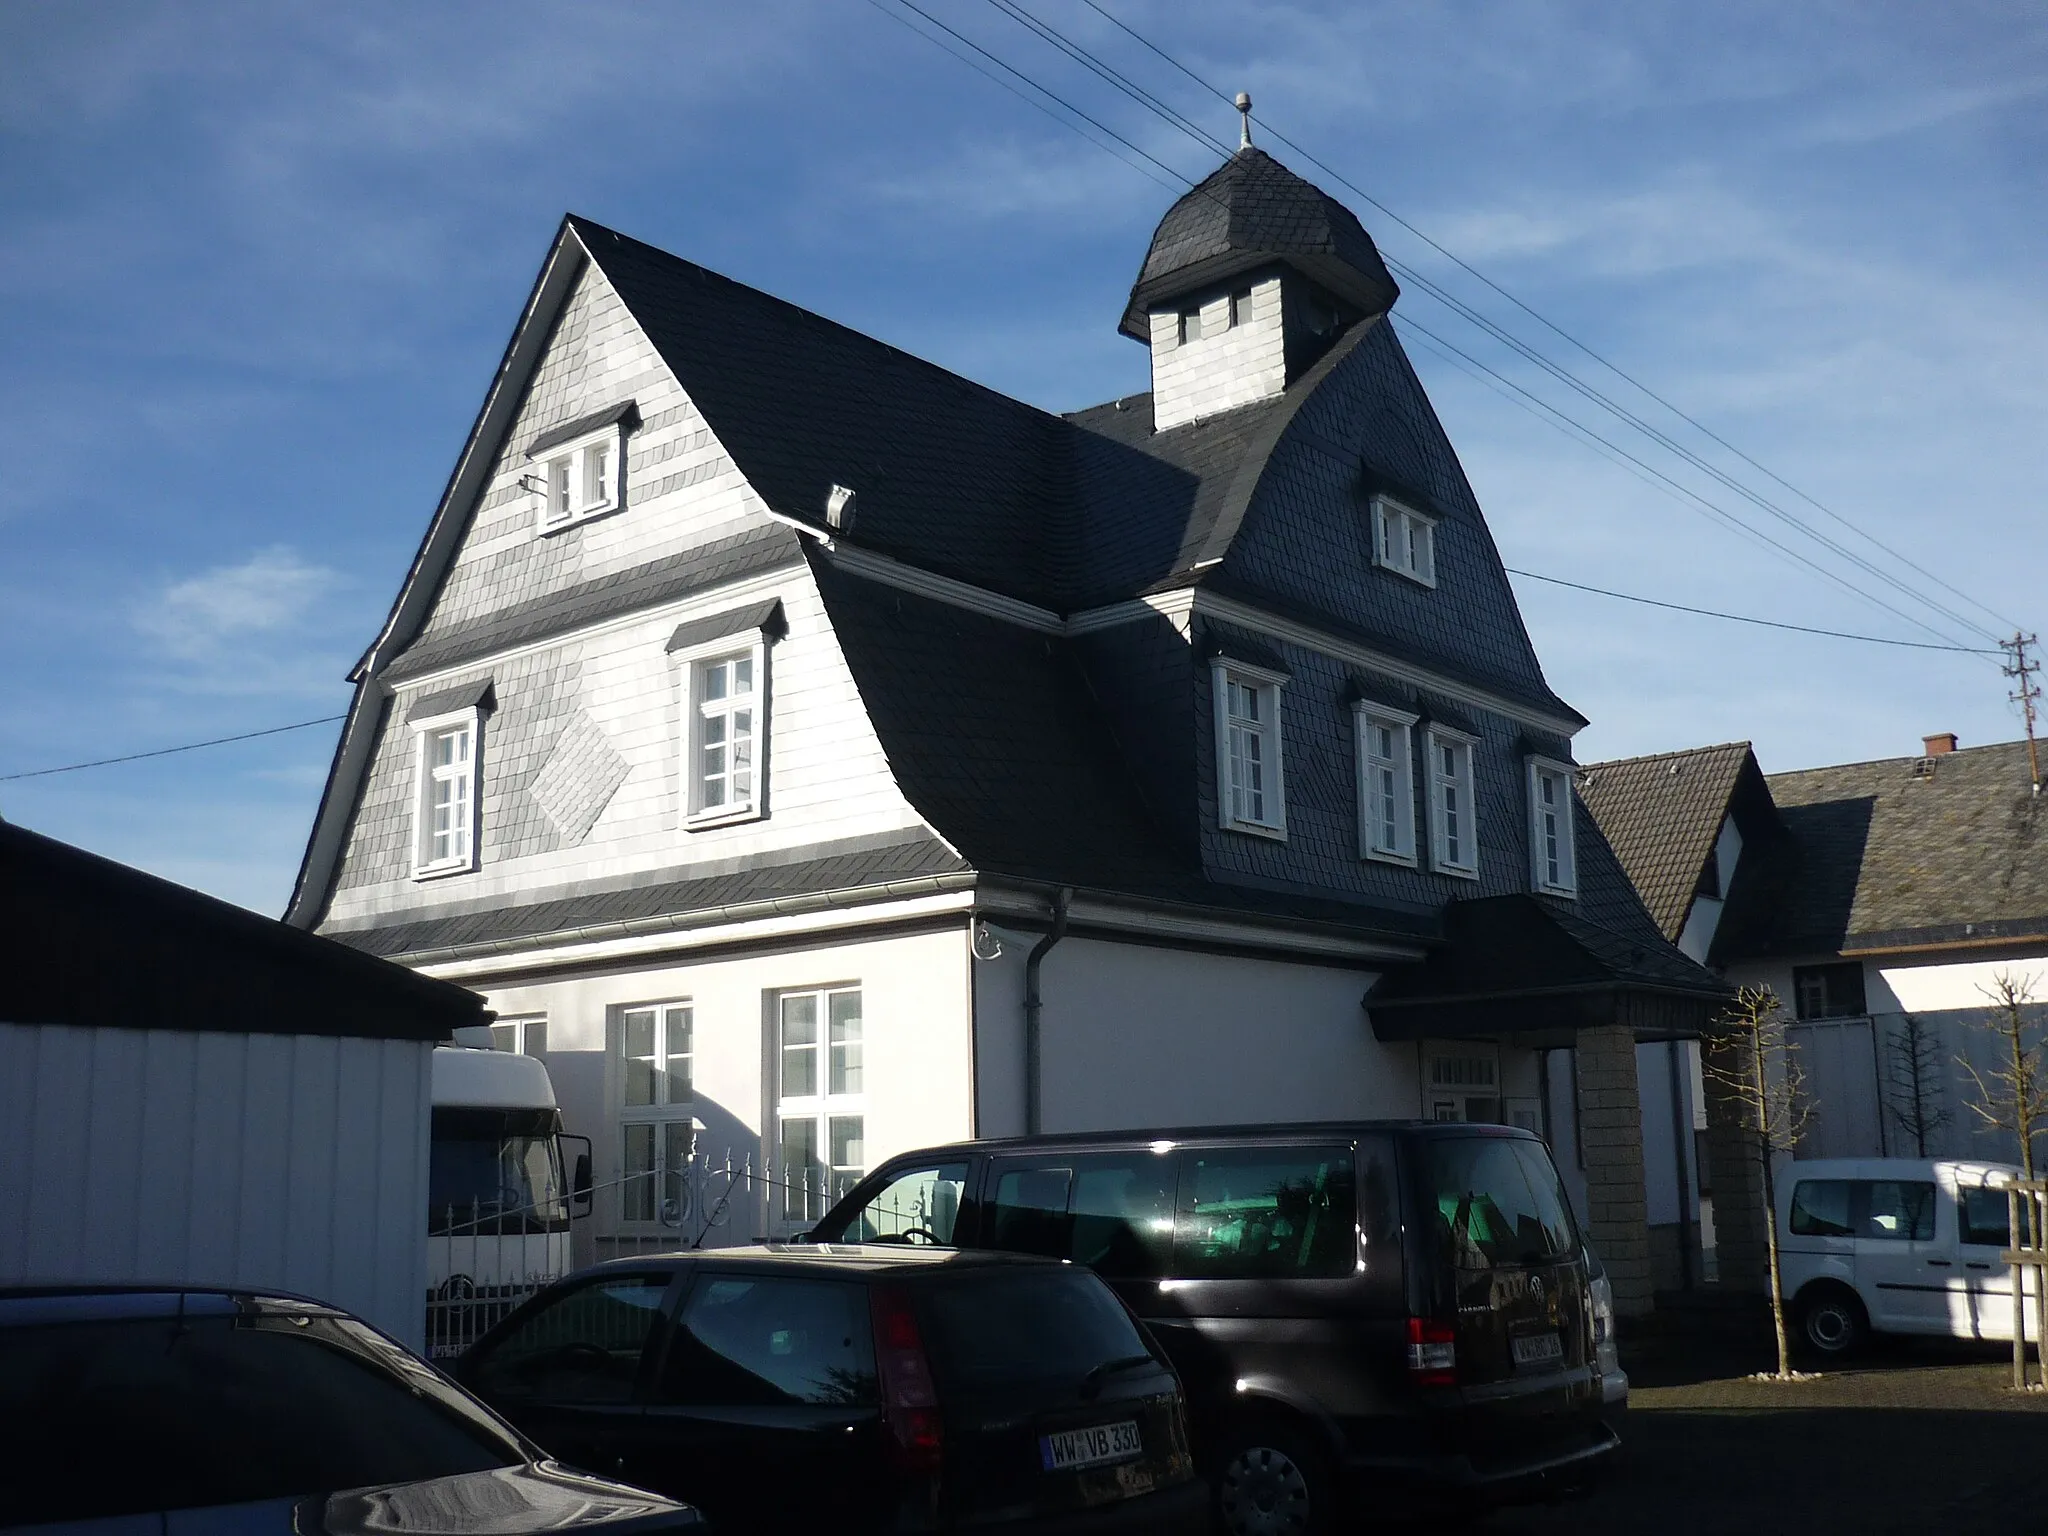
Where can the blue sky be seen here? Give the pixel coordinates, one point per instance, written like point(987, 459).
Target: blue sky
point(258, 261)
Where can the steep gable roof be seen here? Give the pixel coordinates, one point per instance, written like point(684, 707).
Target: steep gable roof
point(1661, 815)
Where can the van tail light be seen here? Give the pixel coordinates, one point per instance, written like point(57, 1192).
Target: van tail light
point(909, 1401)
point(1432, 1353)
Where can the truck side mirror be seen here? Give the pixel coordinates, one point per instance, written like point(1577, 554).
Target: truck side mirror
point(579, 1179)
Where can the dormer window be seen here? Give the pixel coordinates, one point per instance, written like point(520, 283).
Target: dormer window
point(1404, 540)
point(579, 469)
point(1553, 866)
point(1249, 787)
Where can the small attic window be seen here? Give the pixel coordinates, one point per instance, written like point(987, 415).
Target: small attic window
point(1241, 307)
point(579, 469)
point(1404, 540)
point(1190, 325)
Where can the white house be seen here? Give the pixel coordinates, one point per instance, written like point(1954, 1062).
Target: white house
point(827, 755)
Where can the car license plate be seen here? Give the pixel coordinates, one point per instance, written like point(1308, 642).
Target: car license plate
point(1091, 1447)
point(1537, 1348)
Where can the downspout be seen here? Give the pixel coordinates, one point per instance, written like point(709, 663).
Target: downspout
point(1034, 1005)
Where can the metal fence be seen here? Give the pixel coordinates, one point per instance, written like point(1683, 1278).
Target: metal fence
point(704, 1203)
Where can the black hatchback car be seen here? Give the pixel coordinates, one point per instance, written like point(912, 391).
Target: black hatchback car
point(1355, 1310)
point(149, 1410)
point(856, 1388)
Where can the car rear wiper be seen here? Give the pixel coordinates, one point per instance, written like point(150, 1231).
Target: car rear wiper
point(1092, 1382)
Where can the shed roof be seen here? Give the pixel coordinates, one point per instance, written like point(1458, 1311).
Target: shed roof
point(87, 941)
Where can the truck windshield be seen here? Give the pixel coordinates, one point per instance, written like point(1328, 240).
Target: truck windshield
point(495, 1170)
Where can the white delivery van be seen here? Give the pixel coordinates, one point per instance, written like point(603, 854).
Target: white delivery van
point(498, 1205)
point(1895, 1245)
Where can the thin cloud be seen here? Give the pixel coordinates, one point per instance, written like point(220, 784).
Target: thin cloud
point(215, 615)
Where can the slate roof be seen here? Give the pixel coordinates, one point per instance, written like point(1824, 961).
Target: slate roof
point(86, 941)
point(1248, 213)
point(599, 910)
point(1898, 853)
point(1661, 815)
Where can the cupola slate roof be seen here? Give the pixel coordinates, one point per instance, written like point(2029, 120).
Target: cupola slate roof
point(1249, 213)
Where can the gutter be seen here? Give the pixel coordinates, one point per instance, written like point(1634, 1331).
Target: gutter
point(1034, 1008)
point(697, 917)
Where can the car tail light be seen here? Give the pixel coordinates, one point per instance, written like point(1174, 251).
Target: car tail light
point(909, 1401)
point(1432, 1353)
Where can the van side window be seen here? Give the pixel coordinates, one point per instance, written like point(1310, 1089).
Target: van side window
point(1896, 1211)
point(1255, 1213)
point(1112, 1211)
point(1820, 1208)
point(917, 1206)
point(1986, 1218)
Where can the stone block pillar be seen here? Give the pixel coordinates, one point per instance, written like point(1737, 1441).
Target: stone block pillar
point(1611, 1137)
point(1741, 1251)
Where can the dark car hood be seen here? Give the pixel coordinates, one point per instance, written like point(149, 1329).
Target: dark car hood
point(510, 1501)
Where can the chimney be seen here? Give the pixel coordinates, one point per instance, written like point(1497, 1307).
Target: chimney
point(1939, 745)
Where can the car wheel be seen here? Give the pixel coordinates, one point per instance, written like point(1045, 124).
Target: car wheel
point(1273, 1481)
point(1832, 1322)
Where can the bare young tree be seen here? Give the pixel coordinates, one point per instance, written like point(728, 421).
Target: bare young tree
point(2013, 1096)
point(1912, 1083)
point(1749, 1055)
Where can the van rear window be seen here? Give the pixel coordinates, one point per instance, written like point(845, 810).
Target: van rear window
point(1497, 1202)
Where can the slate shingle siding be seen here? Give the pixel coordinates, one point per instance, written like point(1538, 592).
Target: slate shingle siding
point(1319, 764)
point(1306, 538)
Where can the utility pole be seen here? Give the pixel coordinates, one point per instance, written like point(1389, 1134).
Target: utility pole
point(2027, 694)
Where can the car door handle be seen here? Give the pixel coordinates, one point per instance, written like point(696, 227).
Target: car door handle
point(1973, 1264)
point(1941, 1263)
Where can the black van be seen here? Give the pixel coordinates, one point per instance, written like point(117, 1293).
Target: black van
point(1355, 1309)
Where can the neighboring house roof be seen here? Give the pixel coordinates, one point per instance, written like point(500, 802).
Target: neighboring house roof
point(86, 941)
point(1252, 212)
point(1902, 853)
point(1662, 815)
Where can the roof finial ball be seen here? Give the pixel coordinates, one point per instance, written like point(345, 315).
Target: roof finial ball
point(1244, 105)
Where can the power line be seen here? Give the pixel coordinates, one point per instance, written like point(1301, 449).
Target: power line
point(1743, 618)
point(1554, 327)
point(1556, 417)
point(190, 746)
point(1417, 279)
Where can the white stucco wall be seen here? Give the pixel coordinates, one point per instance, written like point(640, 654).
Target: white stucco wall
point(1137, 1036)
point(917, 1046)
point(293, 1162)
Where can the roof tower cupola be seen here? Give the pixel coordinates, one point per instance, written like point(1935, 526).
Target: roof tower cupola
point(1248, 279)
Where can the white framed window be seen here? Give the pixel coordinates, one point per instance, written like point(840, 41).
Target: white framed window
point(1453, 802)
point(725, 732)
point(522, 1036)
point(820, 1100)
point(1250, 787)
point(1386, 784)
point(580, 479)
point(657, 1103)
point(447, 808)
point(1404, 540)
point(1553, 863)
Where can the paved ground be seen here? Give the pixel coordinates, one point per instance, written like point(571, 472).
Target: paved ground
point(1919, 1438)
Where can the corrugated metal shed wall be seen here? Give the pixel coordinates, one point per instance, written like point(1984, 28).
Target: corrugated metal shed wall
point(292, 1161)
